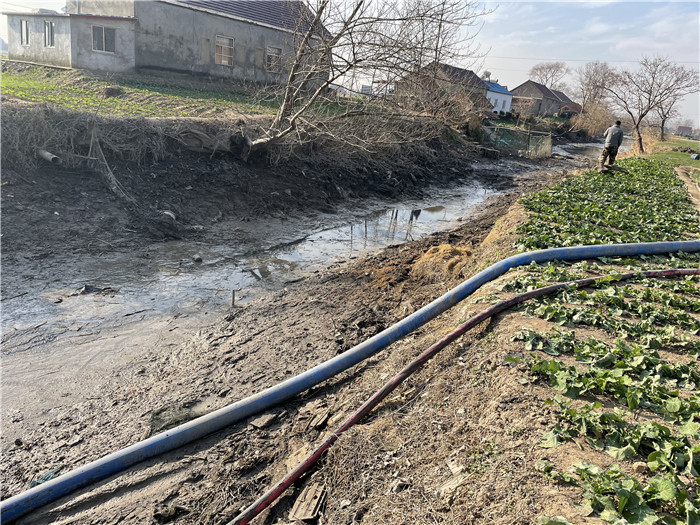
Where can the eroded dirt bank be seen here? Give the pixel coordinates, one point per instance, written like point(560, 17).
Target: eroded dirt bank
point(53, 219)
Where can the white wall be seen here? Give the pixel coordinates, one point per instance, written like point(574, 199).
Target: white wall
point(58, 55)
point(498, 100)
point(84, 57)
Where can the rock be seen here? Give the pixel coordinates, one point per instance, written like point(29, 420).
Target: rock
point(639, 467)
point(263, 421)
point(90, 289)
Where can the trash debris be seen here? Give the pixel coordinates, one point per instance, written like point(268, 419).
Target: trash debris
point(450, 490)
point(167, 513)
point(309, 504)
point(46, 476)
point(399, 484)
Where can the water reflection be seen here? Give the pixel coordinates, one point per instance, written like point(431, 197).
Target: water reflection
point(395, 225)
point(178, 283)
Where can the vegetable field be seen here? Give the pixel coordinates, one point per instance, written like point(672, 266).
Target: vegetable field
point(620, 357)
point(138, 97)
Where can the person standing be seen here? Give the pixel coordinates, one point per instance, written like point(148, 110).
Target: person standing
point(613, 139)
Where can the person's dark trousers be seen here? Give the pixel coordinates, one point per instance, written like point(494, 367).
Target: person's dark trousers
point(608, 152)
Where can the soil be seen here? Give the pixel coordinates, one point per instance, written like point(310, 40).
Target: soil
point(452, 445)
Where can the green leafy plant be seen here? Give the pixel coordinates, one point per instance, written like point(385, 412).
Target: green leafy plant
point(646, 202)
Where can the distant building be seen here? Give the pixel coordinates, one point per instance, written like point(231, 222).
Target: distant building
point(537, 99)
point(242, 39)
point(568, 107)
point(532, 98)
point(500, 98)
point(443, 81)
point(684, 131)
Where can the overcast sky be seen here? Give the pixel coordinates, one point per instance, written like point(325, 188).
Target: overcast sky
point(518, 35)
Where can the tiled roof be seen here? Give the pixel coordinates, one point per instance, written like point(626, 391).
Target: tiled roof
point(285, 14)
point(461, 76)
point(561, 96)
point(545, 90)
point(495, 87)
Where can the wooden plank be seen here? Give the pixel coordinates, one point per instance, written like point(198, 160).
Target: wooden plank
point(309, 504)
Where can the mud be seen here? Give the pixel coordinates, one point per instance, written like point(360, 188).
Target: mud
point(155, 371)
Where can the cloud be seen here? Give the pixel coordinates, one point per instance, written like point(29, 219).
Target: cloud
point(504, 11)
point(595, 27)
point(663, 31)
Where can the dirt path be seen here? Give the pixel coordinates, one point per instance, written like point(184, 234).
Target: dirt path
point(684, 174)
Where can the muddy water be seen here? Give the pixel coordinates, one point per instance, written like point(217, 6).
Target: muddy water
point(588, 150)
point(59, 341)
point(186, 276)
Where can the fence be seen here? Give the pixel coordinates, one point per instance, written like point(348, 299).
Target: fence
point(533, 144)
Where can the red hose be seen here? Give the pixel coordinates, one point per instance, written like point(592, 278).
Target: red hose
point(272, 494)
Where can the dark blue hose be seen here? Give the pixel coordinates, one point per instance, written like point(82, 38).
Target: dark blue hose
point(12, 508)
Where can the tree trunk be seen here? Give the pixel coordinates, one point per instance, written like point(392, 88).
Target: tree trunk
point(663, 126)
point(639, 139)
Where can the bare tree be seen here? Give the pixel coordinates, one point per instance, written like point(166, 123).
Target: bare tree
point(655, 83)
point(589, 83)
point(665, 112)
point(551, 74)
point(381, 42)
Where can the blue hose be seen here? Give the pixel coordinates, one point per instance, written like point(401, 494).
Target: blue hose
point(16, 506)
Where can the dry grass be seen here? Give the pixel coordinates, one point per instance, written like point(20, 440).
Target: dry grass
point(68, 134)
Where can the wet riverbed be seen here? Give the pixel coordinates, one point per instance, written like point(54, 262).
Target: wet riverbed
point(69, 322)
point(73, 322)
point(587, 150)
point(184, 277)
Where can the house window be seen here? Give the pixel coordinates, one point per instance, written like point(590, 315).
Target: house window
point(273, 59)
point(104, 39)
point(24, 32)
point(48, 33)
point(224, 50)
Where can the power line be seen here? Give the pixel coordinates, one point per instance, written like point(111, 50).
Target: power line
point(584, 60)
point(17, 5)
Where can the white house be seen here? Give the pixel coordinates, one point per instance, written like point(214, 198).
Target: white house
point(500, 98)
point(242, 39)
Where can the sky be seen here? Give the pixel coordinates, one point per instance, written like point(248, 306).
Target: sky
point(517, 35)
